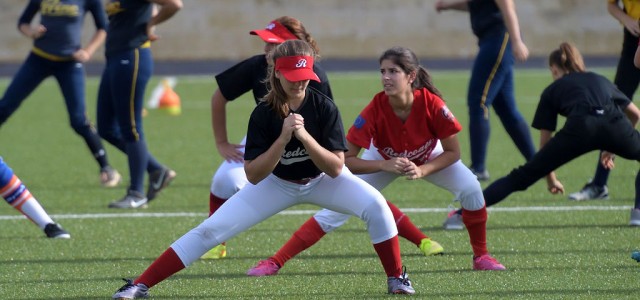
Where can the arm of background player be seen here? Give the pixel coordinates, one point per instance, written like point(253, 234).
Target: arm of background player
point(228, 151)
point(633, 113)
point(85, 53)
point(627, 21)
point(452, 5)
point(553, 185)
point(24, 22)
point(168, 8)
point(508, 10)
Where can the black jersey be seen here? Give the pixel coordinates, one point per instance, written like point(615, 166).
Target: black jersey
point(249, 75)
point(321, 119)
point(486, 18)
point(576, 95)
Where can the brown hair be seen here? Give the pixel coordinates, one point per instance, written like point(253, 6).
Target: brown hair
point(276, 96)
point(568, 58)
point(408, 62)
point(296, 27)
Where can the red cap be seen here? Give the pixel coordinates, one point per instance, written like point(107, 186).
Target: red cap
point(296, 68)
point(274, 33)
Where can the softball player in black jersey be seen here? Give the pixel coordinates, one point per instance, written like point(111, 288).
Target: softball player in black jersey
point(248, 75)
point(599, 117)
point(294, 154)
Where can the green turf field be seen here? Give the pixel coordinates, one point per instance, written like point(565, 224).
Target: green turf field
point(553, 248)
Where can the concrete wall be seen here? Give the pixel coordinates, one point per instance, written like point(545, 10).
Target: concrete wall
point(218, 29)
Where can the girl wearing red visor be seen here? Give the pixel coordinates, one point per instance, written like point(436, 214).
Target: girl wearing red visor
point(248, 76)
point(294, 154)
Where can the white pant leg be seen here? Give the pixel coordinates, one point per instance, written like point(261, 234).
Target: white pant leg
point(462, 183)
point(229, 178)
point(330, 220)
point(350, 195)
point(249, 206)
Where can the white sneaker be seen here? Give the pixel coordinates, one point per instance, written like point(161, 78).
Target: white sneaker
point(453, 221)
point(590, 192)
point(131, 291)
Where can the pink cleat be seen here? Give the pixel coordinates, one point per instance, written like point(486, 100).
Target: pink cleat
point(487, 263)
point(264, 268)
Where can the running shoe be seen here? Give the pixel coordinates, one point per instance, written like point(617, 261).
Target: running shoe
point(55, 231)
point(590, 192)
point(400, 285)
point(109, 177)
point(158, 180)
point(265, 267)
point(487, 263)
point(430, 247)
point(132, 199)
point(634, 220)
point(453, 221)
point(131, 291)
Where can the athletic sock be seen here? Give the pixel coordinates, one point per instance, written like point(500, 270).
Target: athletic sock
point(215, 203)
point(19, 197)
point(476, 223)
point(389, 254)
point(306, 236)
point(167, 264)
point(601, 176)
point(406, 228)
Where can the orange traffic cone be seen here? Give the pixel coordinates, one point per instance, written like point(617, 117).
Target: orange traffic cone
point(169, 101)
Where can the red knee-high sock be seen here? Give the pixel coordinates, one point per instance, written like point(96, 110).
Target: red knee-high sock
point(389, 253)
point(308, 234)
point(406, 228)
point(164, 266)
point(215, 203)
point(476, 223)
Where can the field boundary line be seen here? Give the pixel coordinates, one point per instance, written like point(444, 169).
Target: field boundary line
point(310, 212)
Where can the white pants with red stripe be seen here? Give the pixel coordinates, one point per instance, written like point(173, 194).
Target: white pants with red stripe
point(251, 205)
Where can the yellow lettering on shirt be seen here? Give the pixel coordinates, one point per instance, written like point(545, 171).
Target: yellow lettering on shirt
point(54, 8)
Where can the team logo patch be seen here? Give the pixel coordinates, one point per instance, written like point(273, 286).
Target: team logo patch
point(447, 114)
point(359, 122)
point(302, 63)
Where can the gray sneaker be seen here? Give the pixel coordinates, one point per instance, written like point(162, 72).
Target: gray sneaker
point(635, 217)
point(131, 291)
point(482, 176)
point(590, 192)
point(453, 221)
point(400, 285)
point(158, 180)
point(132, 199)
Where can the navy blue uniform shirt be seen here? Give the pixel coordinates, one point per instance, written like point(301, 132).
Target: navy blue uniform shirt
point(128, 21)
point(485, 17)
point(63, 20)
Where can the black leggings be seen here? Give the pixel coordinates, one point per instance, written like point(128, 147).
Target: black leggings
point(612, 132)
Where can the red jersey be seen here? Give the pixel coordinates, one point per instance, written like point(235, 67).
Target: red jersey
point(429, 121)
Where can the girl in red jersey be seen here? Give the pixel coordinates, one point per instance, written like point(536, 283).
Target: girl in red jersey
point(406, 130)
